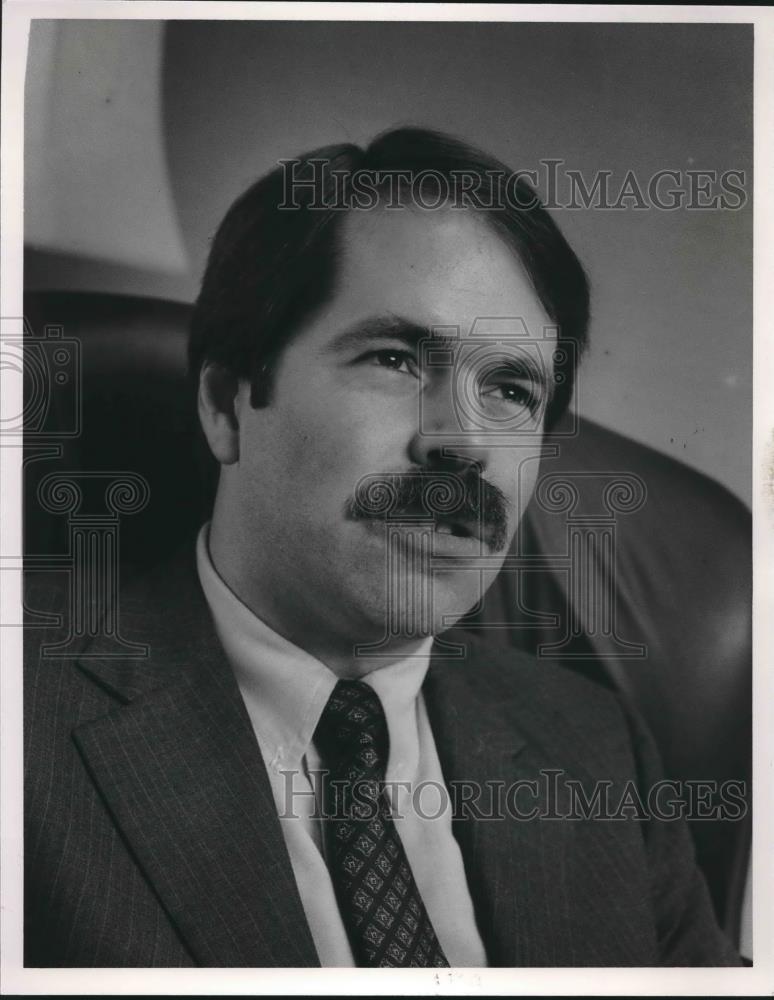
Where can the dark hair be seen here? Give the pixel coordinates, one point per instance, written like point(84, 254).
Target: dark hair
point(273, 259)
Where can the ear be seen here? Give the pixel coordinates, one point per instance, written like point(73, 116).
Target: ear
point(218, 389)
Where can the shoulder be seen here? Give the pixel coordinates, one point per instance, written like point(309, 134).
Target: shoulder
point(529, 681)
point(576, 721)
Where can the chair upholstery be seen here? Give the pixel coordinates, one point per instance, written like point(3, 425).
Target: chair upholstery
point(679, 642)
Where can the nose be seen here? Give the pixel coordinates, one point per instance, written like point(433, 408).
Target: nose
point(440, 442)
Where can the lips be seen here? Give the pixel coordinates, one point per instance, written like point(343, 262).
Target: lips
point(450, 540)
point(462, 529)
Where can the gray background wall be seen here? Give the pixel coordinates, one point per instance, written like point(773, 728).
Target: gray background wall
point(140, 134)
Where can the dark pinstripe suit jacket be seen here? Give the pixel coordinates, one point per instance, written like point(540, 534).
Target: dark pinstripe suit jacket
point(152, 837)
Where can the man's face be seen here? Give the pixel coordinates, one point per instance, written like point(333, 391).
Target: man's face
point(353, 400)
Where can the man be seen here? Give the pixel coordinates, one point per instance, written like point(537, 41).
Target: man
point(375, 350)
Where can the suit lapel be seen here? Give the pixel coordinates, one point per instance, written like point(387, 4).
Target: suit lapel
point(479, 750)
point(534, 882)
point(181, 773)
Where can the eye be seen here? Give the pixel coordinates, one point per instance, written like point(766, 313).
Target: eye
point(510, 387)
point(395, 360)
point(518, 394)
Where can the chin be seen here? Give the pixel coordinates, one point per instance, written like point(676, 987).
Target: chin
point(416, 605)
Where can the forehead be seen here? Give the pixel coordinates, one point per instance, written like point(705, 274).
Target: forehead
point(441, 268)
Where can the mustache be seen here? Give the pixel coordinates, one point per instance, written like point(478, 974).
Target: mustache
point(462, 500)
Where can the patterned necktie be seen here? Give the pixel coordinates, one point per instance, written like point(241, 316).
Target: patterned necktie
point(378, 898)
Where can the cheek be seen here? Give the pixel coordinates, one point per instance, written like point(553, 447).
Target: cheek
point(527, 471)
point(516, 474)
point(325, 449)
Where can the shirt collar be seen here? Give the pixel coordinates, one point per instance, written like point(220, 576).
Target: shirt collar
point(285, 688)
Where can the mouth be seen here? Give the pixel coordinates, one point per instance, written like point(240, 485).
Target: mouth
point(450, 537)
point(460, 535)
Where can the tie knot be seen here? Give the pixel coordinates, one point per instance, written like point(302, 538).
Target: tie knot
point(353, 726)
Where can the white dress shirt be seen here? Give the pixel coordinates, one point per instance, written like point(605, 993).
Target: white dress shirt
point(285, 691)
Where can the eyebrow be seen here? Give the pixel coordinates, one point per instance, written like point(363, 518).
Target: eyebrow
point(391, 327)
